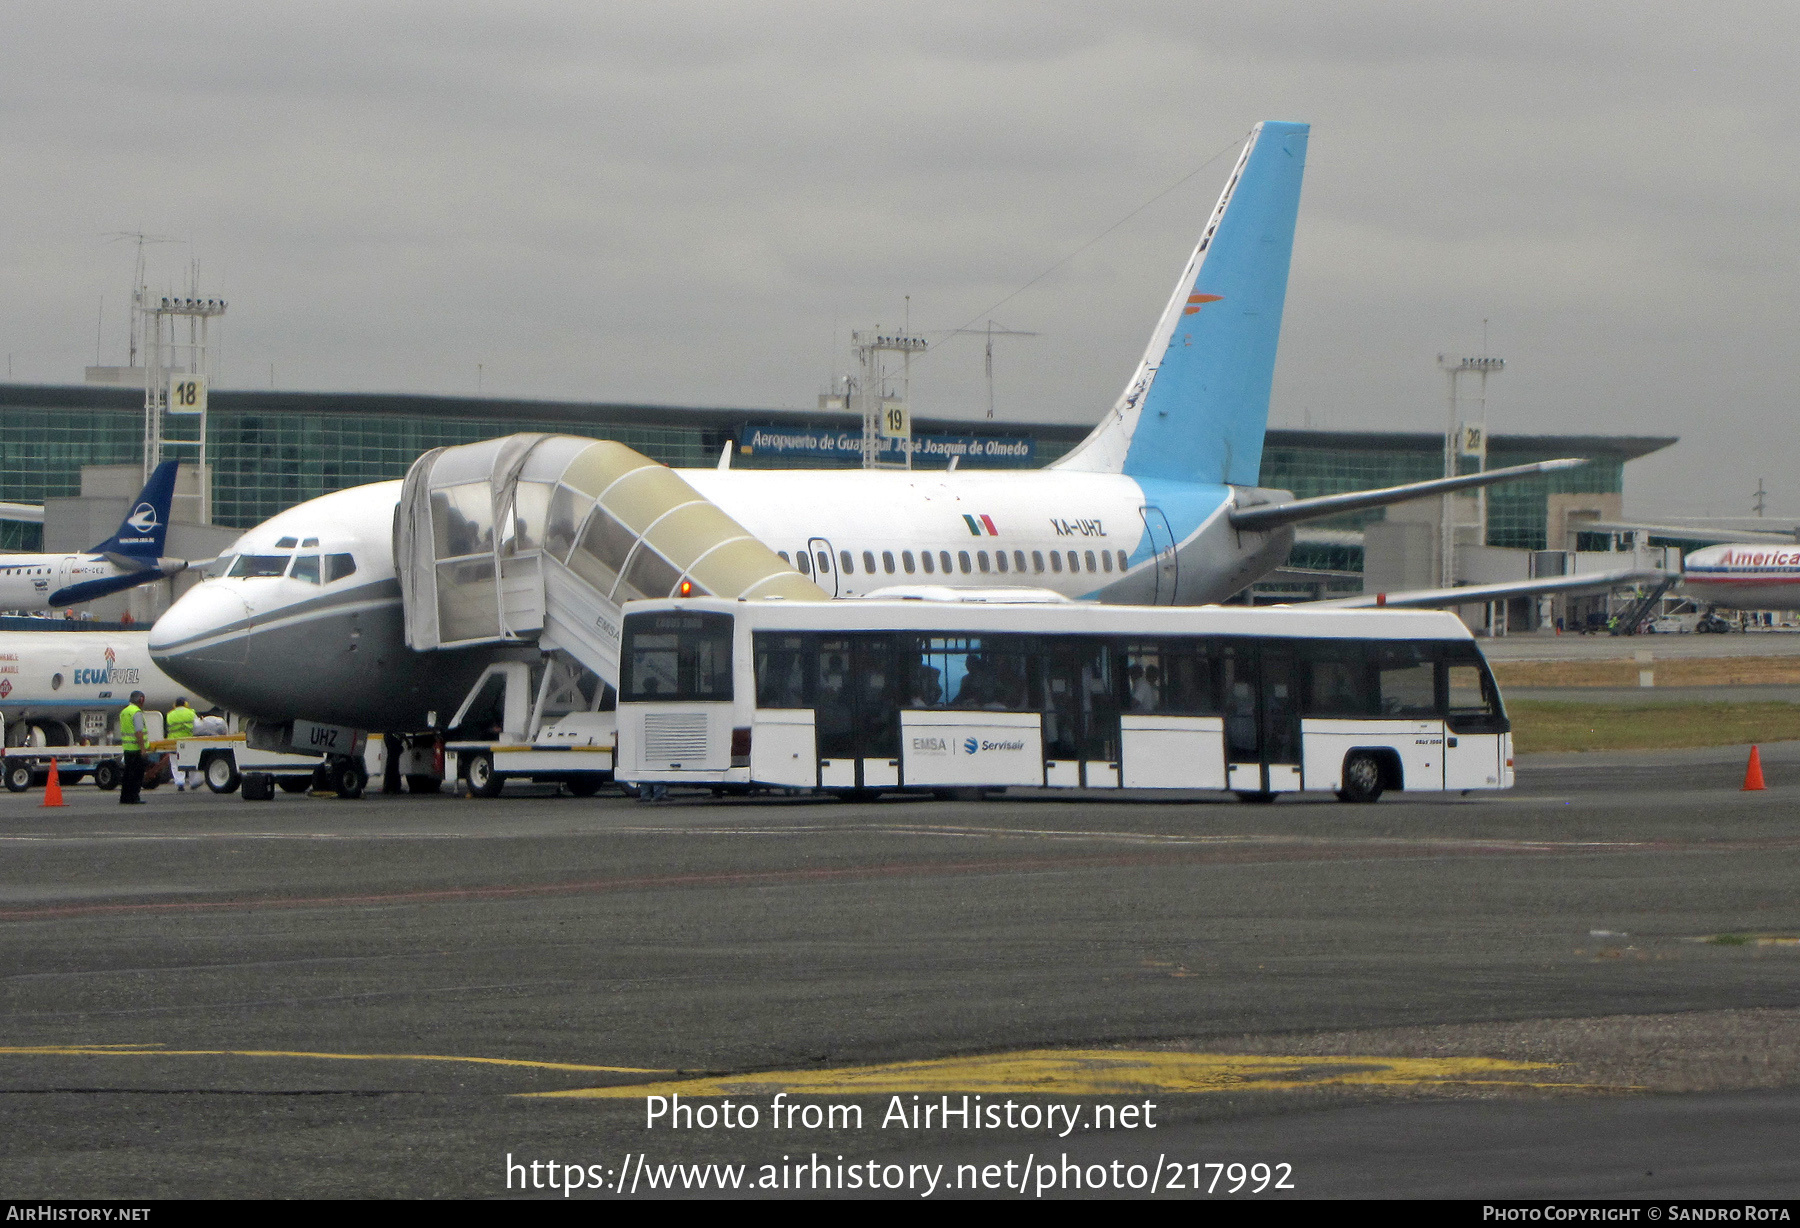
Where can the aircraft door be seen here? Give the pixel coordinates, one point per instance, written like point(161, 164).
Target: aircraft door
point(1162, 540)
point(824, 564)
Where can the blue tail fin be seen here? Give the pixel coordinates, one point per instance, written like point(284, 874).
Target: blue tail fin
point(146, 526)
point(1198, 405)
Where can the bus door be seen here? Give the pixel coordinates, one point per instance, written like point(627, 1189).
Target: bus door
point(824, 570)
point(1262, 718)
point(1081, 714)
point(1162, 540)
point(856, 712)
point(1473, 754)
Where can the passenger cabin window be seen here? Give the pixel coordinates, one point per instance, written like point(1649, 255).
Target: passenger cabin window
point(1056, 562)
point(847, 563)
point(906, 561)
point(887, 562)
point(944, 561)
point(1106, 560)
point(981, 560)
point(1122, 564)
point(804, 559)
point(925, 558)
point(251, 566)
point(962, 556)
point(306, 567)
point(824, 563)
point(677, 656)
point(869, 562)
point(999, 560)
point(337, 566)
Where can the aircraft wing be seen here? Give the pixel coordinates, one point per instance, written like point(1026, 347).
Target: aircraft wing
point(1435, 598)
point(31, 513)
point(1274, 515)
point(1746, 537)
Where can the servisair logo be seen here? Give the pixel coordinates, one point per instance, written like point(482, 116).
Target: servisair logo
point(980, 526)
point(111, 675)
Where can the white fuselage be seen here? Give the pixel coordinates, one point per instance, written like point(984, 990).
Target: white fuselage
point(1741, 577)
point(28, 580)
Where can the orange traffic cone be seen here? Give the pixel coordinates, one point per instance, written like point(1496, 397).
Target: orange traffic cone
point(53, 787)
point(1753, 772)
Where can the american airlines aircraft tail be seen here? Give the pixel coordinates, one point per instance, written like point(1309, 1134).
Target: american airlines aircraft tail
point(1197, 406)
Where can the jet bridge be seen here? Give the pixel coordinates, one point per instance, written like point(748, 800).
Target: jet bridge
point(541, 538)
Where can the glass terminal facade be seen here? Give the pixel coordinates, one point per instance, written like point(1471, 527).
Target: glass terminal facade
point(272, 450)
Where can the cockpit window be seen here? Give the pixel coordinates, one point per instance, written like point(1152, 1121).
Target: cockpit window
point(311, 541)
point(286, 543)
point(337, 566)
point(220, 566)
point(252, 565)
point(306, 567)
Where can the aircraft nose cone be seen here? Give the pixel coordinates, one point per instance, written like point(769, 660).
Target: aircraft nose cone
point(202, 642)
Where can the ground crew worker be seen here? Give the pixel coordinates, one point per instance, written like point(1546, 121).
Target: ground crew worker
point(179, 723)
point(133, 737)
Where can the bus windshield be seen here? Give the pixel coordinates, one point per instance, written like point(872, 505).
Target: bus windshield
point(676, 655)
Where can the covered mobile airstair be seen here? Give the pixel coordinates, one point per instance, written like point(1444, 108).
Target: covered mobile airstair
point(538, 540)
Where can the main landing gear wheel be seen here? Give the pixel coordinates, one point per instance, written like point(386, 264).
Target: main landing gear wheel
point(221, 774)
point(18, 777)
point(108, 774)
point(1362, 778)
point(484, 781)
point(583, 786)
point(1256, 799)
point(294, 784)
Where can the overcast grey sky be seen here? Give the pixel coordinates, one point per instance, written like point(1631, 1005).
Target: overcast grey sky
point(694, 203)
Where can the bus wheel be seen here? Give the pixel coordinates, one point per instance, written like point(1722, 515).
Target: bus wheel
point(1362, 778)
point(294, 784)
point(108, 774)
point(220, 771)
point(18, 777)
point(484, 781)
point(1256, 799)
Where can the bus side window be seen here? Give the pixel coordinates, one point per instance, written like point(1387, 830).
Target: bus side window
point(1408, 680)
point(1143, 678)
point(781, 671)
point(1187, 680)
point(1337, 680)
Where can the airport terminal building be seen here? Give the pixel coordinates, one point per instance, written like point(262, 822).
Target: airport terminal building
point(272, 450)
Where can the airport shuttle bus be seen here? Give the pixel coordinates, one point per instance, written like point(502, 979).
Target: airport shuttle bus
point(872, 695)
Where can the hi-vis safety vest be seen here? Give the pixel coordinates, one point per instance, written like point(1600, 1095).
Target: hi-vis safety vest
point(128, 734)
point(180, 722)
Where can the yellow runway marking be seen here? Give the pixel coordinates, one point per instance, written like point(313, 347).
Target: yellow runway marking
point(1097, 1072)
point(155, 1051)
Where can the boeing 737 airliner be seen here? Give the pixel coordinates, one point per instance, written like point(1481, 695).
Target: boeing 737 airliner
point(1160, 505)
